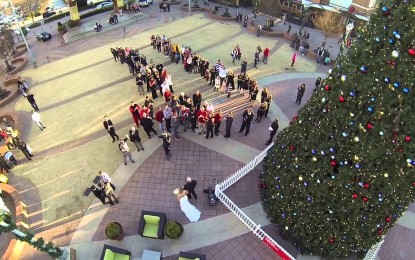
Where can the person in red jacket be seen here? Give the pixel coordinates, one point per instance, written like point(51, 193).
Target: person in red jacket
point(218, 121)
point(135, 112)
point(202, 116)
point(160, 119)
point(266, 55)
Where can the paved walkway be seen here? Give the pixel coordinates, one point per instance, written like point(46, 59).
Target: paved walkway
point(61, 185)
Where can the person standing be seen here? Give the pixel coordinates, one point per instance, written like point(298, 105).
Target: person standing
point(148, 124)
point(293, 58)
point(318, 82)
point(289, 29)
point(209, 126)
point(109, 193)
point(105, 178)
point(273, 130)
point(202, 117)
point(31, 98)
point(167, 112)
point(36, 119)
point(266, 55)
point(22, 147)
point(320, 54)
point(134, 136)
point(261, 111)
point(247, 117)
point(258, 30)
point(193, 118)
point(160, 119)
point(218, 121)
point(149, 104)
point(197, 100)
point(190, 187)
point(139, 80)
point(300, 93)
point(256, 59)
point(229, 121)
point(166, 143)
point(284, 18)
point(125, 150)
point(115, 54)
point(185, 117)
point(110, 128)
point(135, 112)
point(98, 193)
point(244, 65)
point(175, 122)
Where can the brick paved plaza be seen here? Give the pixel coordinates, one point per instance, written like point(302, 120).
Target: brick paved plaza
point(83, 83)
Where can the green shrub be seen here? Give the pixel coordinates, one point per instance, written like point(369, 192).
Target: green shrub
point(113, 230)
point(56, 17)
point(97, 11)
point(34, 25)
point(173, 230)
point(72, 24)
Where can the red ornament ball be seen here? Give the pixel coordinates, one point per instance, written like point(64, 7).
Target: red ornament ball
point(365, 199)
point(369, 126)
point(413, 184)
point(380, 231)
point(366, 185)
point(354, 195)
point(411, 52)
point(395, 133)
point(388, 219)
point(327, 88)
point(408, 138)
point(331, 240)
point(399, 149)
point(342, 99)
point(292, 147)
point(333, 163)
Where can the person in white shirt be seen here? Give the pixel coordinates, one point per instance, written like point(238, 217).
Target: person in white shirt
point(36, 119)
point(169, 82)
point(222, 74)
point(105, 178)
point(125, 150)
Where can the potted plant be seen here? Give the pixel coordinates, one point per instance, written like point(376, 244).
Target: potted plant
point(173, 230)
point(114, 231)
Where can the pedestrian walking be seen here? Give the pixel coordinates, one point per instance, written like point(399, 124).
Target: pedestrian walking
point(244, 65)
point(293, 58)
point(229, 121)
point(273, 130)
point(115, 54)
point(247, 118)
point(190, 186)
point(31, 98)
point(125, 150)
point(36, 119)
point(300, 93)
point(108, 125)
point(98, 193)
point(134, 136)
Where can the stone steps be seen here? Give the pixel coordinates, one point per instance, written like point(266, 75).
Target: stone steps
point(107, 28)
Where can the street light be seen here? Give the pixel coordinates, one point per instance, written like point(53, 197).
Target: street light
point(32, 57)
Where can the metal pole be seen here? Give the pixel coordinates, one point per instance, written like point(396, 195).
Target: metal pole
point(190, 7)
point(32, 57)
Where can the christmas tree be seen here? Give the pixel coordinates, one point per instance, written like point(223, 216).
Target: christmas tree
point(342, 173)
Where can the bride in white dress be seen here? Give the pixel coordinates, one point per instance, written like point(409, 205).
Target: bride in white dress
point(191, 212)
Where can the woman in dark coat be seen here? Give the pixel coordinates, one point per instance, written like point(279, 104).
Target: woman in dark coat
point(230, 79)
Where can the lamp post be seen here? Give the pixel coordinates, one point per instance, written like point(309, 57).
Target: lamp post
point(32, 57)
point(305, 15)
point(190, 7)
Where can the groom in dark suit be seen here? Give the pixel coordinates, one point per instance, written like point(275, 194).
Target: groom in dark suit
point(190, 187)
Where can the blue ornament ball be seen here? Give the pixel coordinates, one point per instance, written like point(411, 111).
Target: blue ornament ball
point(352, 123)
point(384, 9)
point(278, 187)
point(305, 184)
point(352, 93)
point(395, 32)
point(363, 69)
point(396, 84)
point(377, 39)
point(344, 134)
point(283, 215)
point(405, 90)
point(314, 151)
point(370, 109)
point(387, 79)
point(391, 41)
point(373, 99)
point(332, 149)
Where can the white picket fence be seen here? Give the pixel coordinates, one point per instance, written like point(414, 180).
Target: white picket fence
point(248, 222)
point(374, 250)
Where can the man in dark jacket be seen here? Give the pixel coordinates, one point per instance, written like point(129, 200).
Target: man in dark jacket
point(22, 147)
point(273, 130)
point(110, 128)
point(247, 117)
point(229, 121)
point(166, 143)
point(148, 124)
point(190, 187)
point(135, 138)
point(98, 193)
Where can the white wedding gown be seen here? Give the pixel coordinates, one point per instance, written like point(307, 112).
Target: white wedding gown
point(191, 212)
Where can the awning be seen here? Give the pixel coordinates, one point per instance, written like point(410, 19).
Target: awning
point(361, 17)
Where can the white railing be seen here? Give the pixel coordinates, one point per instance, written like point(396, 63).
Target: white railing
point(247, 221)
point(374, 250)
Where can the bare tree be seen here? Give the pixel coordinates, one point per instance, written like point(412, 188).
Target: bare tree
point(31, 7)
point(330, 23)
point(6, 46)
point(270, 7)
